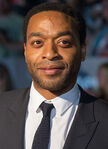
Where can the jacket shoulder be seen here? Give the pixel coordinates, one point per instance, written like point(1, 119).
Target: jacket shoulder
point(101, 109)
point(100, 106)
point(14, 95)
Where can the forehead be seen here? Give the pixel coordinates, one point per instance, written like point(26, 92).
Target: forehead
point(50, 20)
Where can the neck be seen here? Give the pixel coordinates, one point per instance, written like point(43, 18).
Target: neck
point(106, 97)
point(52, 94)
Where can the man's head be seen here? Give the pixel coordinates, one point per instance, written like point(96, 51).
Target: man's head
point(54, 42)
point(5, 80)
point(103, 78)
point(105, 11)
point(5, 6)
point(63, 8)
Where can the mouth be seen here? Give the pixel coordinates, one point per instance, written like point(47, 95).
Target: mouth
point(51, 70)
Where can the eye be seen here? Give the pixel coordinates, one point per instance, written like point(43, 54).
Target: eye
point(65, 43)
point(37, 43)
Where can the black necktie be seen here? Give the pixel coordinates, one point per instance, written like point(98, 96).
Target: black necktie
point(42, 135)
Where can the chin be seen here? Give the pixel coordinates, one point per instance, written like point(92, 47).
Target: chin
point(54, 83)
point(51, 85)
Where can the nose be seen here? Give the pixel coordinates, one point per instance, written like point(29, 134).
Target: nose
point(50, 51)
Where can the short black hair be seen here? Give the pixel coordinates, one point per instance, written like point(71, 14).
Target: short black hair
point(104, 65)
point(61, 7)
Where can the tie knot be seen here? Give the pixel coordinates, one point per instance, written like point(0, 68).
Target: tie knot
point(46, 108)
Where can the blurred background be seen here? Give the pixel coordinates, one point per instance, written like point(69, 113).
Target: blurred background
point(93, 75)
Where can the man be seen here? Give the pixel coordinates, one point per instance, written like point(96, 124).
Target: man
point(11, 24)
point(54, 43)
point(103, 81)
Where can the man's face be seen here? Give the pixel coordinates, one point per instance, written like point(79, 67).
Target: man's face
point(103, 79)
point(105, 11)
point(52, 51)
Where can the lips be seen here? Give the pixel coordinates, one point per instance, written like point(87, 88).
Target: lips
point(51, 69)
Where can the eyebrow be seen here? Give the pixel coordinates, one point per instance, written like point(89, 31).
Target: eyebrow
point(64, 33)
point(35, 34)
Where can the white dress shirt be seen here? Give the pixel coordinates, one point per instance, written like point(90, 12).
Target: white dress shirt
point(65, 107)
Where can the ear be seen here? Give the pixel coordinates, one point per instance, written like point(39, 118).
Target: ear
point(83, 52)
point(25, 50)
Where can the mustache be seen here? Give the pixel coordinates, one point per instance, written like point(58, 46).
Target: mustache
point(49, 63)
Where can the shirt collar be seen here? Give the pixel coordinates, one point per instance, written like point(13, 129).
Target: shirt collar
point(61, 103)
point(65, 101)
point(35, 99)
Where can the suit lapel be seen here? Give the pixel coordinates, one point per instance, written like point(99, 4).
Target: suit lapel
point(16, 121)
point(80, 134)
point(84, 124)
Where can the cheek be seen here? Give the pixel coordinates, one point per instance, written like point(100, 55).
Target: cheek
point(102, 82)
point(32, 55)
point(71, 56)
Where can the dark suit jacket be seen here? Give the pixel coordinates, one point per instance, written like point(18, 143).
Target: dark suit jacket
point(89, 129)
